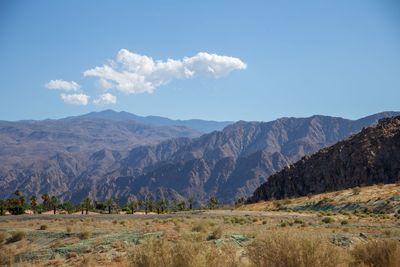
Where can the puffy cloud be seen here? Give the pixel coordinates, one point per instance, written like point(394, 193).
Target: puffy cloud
point(75, 99)
point(62, 85)
point(104, 84)
point(134, 73)
point(105, 99)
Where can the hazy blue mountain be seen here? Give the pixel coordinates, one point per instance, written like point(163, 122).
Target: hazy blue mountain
point(204, 126)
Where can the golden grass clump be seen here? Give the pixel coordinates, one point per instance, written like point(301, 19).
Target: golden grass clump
point(288, 249)
point(377, 253)
point(3, 238)
point(160, 252)
point(199, 227)
point(216, 233)
point(6, 258)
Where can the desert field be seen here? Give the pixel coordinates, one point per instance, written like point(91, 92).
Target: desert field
point(263, 234)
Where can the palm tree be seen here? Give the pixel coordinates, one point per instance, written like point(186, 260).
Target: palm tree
point(133, 205)
point(109, 204)
point(33, 203)
point(161, 206)
point(2, 206)
point(213, 203)
point(46, 201)
point(190, 200)
point(21, 198)
point(54, 203)
point(181, 206)
point(87, 204)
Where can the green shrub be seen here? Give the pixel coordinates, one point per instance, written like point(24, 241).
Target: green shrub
point(327, 220)
point(344, 222)
point(84, 235)
point(298, 221)
point(43, 227)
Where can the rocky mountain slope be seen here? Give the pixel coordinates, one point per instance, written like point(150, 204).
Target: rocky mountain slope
point(370, 157)
point(102, 163)
point(228, 164)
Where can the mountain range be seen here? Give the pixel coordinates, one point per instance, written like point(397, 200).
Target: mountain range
point(203, 126)
point(110, 154)
point(369, 157)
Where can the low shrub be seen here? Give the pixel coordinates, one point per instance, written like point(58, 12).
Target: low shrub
point(43, 227)
point(216, 234)
point(298, 221)
point(84, 235)
point(16, 236)
point(327, 220)
point(356, 190)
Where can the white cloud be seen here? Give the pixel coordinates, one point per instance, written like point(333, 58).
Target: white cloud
point(104, 84)
point(134, 73)
point(75, 99)
point(105, 99)
point(62, 85)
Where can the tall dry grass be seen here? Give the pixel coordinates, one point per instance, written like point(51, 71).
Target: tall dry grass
point(288, 249)
point(377, 253)
point(160, 252)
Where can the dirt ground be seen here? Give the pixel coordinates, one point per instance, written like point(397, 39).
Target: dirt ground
point(92, 240)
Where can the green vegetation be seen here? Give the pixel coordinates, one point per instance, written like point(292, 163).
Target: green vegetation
point(17, 205)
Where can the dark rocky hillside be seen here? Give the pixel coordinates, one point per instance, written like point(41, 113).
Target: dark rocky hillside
point(370, 157)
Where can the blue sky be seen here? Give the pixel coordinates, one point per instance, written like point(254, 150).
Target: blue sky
point(339, 58)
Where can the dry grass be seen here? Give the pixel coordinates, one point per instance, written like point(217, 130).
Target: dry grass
point(289, 249)
point(377, 253)
point(352, 195)
point(3, 238)
point(160, 252)
point(205, 239)
point(84, 235)
point(6, 258)
point(216, 233)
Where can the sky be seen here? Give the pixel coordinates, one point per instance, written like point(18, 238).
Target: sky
point(215, 60)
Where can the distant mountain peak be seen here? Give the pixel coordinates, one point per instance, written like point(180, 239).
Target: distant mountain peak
point(204, 126)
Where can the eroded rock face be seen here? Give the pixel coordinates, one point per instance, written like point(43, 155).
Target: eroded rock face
point(369, 157)
point(228, 164)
